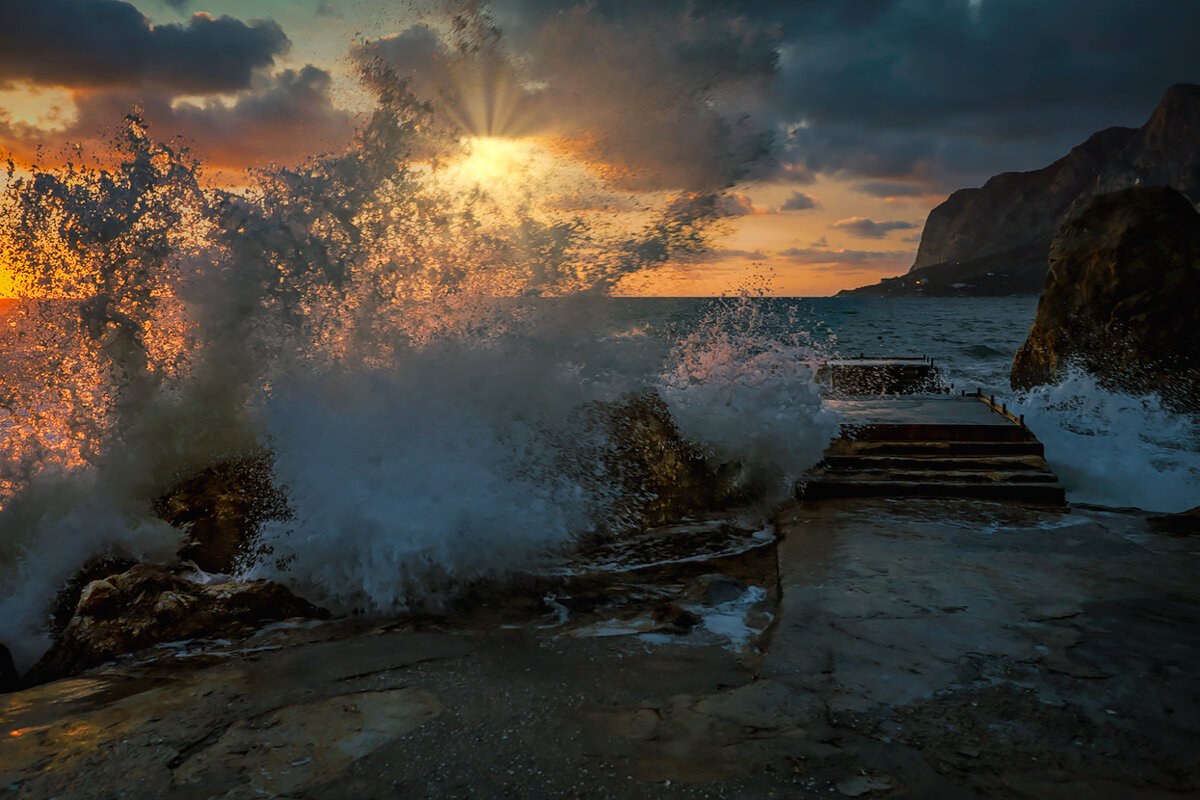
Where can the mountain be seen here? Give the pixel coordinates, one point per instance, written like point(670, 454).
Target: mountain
point(994, 240)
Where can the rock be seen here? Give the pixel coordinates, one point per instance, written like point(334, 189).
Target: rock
point(222, 508)
point(994, 240)
point(296, 747)
point(859, 785)
point(149, 605)
point(674, 619)
point(667, 476)
point(1120, 298)
point(68, 596)
point(715, 588)
point(1184, 523)
point(10, 681)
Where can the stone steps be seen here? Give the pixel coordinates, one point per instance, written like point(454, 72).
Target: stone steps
point(936, 432)
point(943, 476)
point(1039, 493)
point(949, 449)
point(933, 447)
point(998, 462)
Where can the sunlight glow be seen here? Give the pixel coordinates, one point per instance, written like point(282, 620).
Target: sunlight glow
point(48, 109)
point(492, 160)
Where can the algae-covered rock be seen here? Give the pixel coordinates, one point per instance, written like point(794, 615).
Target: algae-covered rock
point(1120, 298)
point(670, 476)
point(149, 605)
point(222, 507)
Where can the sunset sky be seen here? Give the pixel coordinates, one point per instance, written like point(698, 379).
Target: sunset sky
point(834, 125)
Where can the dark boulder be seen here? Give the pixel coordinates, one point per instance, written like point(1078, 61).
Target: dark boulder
point(149, 605)
point(221, 508)
point(1183, 523)
point(10, 681)
point(1120, 298)
point(67, 599)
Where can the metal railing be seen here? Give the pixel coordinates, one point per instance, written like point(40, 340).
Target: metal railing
point(999, 408)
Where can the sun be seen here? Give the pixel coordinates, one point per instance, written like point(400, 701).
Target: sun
point(491, 160)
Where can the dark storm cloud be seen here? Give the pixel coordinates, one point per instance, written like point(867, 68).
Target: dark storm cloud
point(931, 94)
point(867, 228)
point(109, 44)
point(799, 201)
point(657, 95)
point(947, 89)
point(283, 118)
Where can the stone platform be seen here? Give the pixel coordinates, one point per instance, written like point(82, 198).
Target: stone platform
point(932, 446)
point(919, 649)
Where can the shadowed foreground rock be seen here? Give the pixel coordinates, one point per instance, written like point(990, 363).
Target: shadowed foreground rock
point(9, 680)
point(1184, 523)
point(1120, 298)
point(951, 649)
point(149, 605)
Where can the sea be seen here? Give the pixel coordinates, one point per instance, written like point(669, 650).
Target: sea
point(429, 370)
point(410, 479)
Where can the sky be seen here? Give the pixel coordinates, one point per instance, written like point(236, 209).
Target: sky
point(831, 127)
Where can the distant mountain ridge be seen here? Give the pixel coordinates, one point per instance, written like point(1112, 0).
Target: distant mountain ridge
point(994, 240)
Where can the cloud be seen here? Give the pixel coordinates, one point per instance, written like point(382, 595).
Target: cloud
point(790, 172)
point(824, 259)
point(713, 256)
point(283, 119)
point(952, 92)
point(799, 202)
point(656, 97)
point(867, 228)
point(110, 44)
point(736, 204)
point(890, 189)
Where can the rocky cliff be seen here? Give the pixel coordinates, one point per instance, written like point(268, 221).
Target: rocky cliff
point(995, 239)
point(1120, 298)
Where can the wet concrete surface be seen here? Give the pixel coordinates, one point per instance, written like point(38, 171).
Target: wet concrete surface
point(885, 649)
point(950, 409)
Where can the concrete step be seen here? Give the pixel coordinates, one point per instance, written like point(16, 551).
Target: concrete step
point(1040, 493)
point(937, 476)
point(935, 448)
point(936, 432)
point(923, 462)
